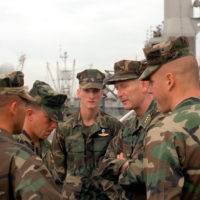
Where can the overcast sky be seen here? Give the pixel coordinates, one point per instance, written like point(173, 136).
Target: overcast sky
point(94, 32)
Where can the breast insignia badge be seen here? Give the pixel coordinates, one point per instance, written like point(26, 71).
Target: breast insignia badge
point(103, 134)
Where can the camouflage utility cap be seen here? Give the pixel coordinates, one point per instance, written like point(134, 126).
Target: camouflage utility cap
point(13, 84)
point(126, 70)
point(164, 52)
point(91, 78)
point(50, 101)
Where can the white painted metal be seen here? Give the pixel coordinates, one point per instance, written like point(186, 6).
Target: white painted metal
point(179, 20)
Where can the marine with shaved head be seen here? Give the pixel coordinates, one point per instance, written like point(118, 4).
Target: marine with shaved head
point(178, 79)
point(172, 148)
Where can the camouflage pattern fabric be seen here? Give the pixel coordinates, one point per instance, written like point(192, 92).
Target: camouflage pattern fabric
point(65, 112)
point(130, 142)
point(52, 103)
point(164, 52)
point(126, 70)
point(13, 84)
point(91, 78)
point(77, 150)
point(43, 151)
point(172, 148)
point(22, 174)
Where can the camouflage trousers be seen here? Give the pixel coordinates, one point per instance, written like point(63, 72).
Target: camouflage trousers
point(86, 190)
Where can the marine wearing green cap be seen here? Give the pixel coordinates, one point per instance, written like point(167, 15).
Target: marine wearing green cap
point(50, 101)
point(91, 78)
point(42, 117)
point(23, 174)
point(13, 84)
point(81, 141)
point(172, 169)
point(127, 147)
point(126, 70)
point(165, 52)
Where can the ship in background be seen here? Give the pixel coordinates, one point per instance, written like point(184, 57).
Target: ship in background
point(181, 18)
point(65, 83)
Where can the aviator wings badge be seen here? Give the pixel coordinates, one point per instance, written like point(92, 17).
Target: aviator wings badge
point(103, 134)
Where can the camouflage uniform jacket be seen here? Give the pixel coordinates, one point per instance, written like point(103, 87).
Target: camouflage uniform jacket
point(172, 149)
point(130, 142)
point(78, 149)
point(22, 173)
point(43, 151)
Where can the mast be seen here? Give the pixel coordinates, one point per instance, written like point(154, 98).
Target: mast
point(22, 59)
point(58, 76)
point(65, 77)
point(50, 73)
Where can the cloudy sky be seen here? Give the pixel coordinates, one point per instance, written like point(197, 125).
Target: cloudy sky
point(96, 33)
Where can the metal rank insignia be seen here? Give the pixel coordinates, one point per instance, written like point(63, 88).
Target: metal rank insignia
point(103, 134)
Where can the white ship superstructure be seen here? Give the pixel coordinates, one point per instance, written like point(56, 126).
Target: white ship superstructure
point(181, 18)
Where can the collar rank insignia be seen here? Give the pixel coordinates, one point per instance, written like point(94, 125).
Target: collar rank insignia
point(103, 134)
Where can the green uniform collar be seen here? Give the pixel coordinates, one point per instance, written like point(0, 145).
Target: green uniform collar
point(99, 120)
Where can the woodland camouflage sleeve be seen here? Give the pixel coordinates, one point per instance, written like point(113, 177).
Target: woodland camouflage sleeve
point(48, 160)
point(59, 153)
point(162, 169)
point(134, 173)
point(31, 179)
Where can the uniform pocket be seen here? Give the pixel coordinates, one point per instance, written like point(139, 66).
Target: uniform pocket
point(100, 146)
point(75, 154)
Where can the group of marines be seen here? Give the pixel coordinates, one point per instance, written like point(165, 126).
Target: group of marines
point(93, 156)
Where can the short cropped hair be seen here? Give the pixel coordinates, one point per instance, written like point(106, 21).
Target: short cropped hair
point(33, 105)
point(6, 99)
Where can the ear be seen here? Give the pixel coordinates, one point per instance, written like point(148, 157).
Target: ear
point(78, 93)
point(29, 114)
point(101, 92)
point(145, 85)
point(170, 81)
point(13, 107)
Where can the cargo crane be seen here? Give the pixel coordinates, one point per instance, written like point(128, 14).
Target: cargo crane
point(51, 76)
point(22, 59)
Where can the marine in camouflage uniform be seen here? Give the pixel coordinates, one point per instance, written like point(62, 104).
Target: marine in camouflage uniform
point(172, 148)
point(43, 151)
point(50, 103)
point(22, 174)
point(78, 146)
point(130, 141)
